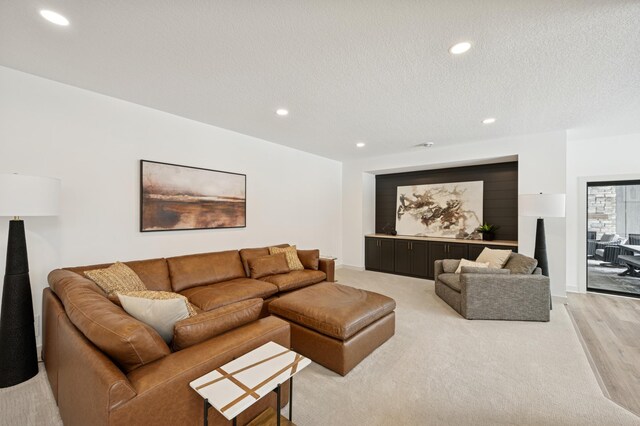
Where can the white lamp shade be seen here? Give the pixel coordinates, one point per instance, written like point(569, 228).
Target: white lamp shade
point(22, 195)
point(541, 205)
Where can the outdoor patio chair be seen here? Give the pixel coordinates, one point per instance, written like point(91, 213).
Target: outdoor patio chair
point(594, 244)
point(609, 252)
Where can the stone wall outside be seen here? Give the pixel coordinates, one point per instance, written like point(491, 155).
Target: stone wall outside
point(601, 215)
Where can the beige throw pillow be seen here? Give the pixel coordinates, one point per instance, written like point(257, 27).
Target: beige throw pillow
point(496, 258)
point(160, 295)
point(465, 262)
point(116, 278)
point(291, 253)
point(161, 314)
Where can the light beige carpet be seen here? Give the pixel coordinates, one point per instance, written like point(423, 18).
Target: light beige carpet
point(29, 404)
point(439, 369)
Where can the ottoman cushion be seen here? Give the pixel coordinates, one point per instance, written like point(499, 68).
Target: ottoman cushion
point(332, 309)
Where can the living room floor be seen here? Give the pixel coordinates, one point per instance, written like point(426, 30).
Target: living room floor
point(438, 369)
point(610, 330)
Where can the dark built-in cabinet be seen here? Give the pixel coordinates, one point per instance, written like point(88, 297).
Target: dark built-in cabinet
point(439, 251)
point(379, 254)
point(411, 258)
point(417, 257)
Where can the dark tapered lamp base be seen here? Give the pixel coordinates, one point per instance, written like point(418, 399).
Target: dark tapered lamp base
point(18, 353)
point(540, 252)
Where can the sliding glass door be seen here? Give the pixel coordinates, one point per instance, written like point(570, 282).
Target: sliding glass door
point(613, 237)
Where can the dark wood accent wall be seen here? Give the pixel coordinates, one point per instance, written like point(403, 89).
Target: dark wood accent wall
point(500, 193)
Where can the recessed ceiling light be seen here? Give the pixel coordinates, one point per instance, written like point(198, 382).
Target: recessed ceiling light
point(360, 144)
point(54, 17)
point(489, 120)
point(460, 48)
point(282, 112)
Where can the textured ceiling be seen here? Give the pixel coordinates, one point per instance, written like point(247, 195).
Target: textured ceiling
point(376, 71)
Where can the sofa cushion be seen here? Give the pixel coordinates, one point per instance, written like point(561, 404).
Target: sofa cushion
point(206, 268)
point(206, 325)
point(607, 238)
point(129, 342)
point(521, 264)
point(452, 280)
point(332, 309)
point(213, 296)
point(310, 259)
point(292, 256)
point(252, 253)
point(449, 266)
point(116, 278)
point(484, 271)
point(268, 265)
point(154, 273)
point(296, 279)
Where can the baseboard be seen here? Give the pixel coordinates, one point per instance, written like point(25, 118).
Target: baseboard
point(39, 349)
point(351, 267)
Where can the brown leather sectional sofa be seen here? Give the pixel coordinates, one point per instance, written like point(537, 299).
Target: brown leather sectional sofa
point(106, 368)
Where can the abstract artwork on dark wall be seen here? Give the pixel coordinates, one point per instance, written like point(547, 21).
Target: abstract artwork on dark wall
point(174, 197)
point(452, 210)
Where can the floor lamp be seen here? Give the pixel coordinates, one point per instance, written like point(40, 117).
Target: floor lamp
point(541, 206)
point(21, 195)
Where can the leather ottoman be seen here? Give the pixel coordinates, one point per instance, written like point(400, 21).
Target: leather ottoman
point(335, 325)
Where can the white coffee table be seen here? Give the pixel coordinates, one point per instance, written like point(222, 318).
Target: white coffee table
point(239, 384)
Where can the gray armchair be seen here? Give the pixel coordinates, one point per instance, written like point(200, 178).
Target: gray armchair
point(494, 294)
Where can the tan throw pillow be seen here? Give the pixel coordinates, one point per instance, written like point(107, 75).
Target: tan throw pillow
point(496, 258)
point(160, 314)
point(116, 278)
point(292, 256)
point(268, 265)
point(465, 262)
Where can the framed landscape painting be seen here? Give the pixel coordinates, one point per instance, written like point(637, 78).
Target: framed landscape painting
point(452, 210)
point(174, 197)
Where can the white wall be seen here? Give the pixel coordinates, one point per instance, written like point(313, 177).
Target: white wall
point(94, 143)
point(590, 160)
point(542, 164)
